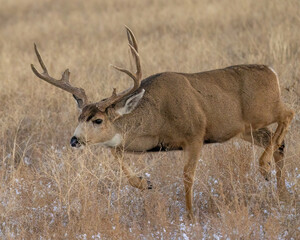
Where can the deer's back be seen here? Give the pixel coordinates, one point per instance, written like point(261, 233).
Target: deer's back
point(226, 100)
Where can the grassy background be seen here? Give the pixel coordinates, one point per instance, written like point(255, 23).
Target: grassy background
point(49, 191)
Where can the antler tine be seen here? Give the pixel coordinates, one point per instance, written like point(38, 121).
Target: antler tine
point(63, 83)
point(131, 38)
point(137, 63)
point(102, 105)
point(134, 50)
point(40, 59)
point(45, 76)
point(124, 71)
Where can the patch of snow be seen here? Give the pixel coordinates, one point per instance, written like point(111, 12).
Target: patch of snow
point(217, 237)
point(183, 231)
point(262, 232)
point(98, 236)
point(27, 160)
point(82, 236)
point(289, 185)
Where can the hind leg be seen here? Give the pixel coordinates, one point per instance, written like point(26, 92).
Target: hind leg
point(275, 142)
point(280, 173)
point(191, 155)
point(262, 137)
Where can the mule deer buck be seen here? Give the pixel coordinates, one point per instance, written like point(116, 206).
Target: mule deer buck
point(181, 111)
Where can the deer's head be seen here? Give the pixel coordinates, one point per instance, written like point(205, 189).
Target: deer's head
point(96, 120)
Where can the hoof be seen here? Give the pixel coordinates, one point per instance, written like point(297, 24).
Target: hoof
point(191, 218)
point(267, 177)
point(146, 184)
point(266, 174)
point(149, 184)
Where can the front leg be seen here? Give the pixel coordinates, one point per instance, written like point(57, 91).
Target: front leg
point(135, 181)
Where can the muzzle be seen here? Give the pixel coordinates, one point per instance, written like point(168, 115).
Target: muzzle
point(74, 142)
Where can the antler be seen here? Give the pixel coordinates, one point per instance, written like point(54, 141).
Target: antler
point(63, 83)
point(102, 105)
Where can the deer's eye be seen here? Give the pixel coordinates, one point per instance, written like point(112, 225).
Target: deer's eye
point(98, 121)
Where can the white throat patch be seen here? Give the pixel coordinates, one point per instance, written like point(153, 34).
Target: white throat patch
point(114, 142)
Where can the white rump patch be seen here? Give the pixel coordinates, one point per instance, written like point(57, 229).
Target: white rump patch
point(114, 142)
point(276, 77)
point(272, 70)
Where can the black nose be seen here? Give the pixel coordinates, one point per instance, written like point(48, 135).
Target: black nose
point(74, 141)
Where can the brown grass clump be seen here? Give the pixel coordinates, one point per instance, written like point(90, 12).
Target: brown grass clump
point(49, 191)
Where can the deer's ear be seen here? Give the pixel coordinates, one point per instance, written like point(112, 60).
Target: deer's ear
point(79, 102)
point(131, 103)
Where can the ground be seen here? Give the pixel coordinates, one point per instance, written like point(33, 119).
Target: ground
point(50, 191)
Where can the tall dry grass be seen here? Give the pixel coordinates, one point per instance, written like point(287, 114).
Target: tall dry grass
point(49, 191)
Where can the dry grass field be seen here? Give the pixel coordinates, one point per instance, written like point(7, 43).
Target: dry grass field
point(50, 191)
